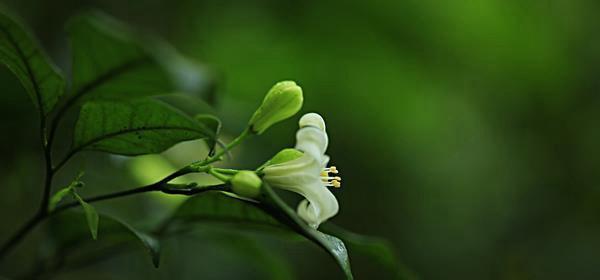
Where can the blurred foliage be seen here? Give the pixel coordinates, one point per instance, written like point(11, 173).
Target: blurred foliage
point(466, 132)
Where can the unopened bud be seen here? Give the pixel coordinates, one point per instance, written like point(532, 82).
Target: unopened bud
point(281, 102)
point(246, 183)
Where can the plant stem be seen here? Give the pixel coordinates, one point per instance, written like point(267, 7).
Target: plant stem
point(226, 171)
point(41, 215)
point(148, 188)
point(229, 146)
point(64, 160)
point(49, 173)
point(218, 175)
point(48, 179)
point(43, 208)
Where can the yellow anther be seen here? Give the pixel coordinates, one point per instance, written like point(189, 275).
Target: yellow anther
point(331, 181)
point(336, 184)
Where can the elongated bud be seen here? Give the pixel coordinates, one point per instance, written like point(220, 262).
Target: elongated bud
point(246, 183)
point(281, 102)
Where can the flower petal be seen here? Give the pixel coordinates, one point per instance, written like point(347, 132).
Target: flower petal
point(312, 141)
point(324, 161)
point(312, 119)
point(318, 208)
point(300, 166)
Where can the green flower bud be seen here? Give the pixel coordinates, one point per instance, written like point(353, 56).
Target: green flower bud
point(281, 102)
point(246, 183)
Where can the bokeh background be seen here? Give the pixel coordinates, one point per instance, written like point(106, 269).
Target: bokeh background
point(467, 133)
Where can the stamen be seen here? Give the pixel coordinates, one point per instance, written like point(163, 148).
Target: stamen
point(330, 181)
point(332, 169)
point(337, 178)
point(336, 184)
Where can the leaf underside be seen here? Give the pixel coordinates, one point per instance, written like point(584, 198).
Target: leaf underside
point(109, 62)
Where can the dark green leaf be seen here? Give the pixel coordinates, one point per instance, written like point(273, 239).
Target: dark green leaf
point(272, 214)
point(70, 237)
point(222, 208)
point(331, 244)
point(134, 128)
point(188, 104)
point(23, 56)
point(198, 109)
point(261, 257)
point(111, 61)
point(377, 248)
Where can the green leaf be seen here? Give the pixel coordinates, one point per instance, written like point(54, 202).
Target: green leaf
point(90, 215)
point(69, 238)
point(331, 244)
point(133, 128)
point(22, 55)
point(377, 248)
point(273, 214)
point(111, 61)
point(198, 109)
point(58, 197)
point(188, 104)
point(92, 218)
point(222, 208)
point(262, 258)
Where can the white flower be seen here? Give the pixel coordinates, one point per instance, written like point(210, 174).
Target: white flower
point(308, 174)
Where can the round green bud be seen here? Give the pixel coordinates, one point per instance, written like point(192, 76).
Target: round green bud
point(281, 102)
point(246, 183)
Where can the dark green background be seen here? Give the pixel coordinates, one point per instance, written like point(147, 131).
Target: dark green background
point(466, 132)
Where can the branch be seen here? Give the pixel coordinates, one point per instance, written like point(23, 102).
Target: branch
point(43, 213)
point(162, 187)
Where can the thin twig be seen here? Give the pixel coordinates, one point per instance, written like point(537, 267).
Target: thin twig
point(40, 216)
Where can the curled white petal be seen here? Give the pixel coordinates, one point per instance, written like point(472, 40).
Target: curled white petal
point(312, 119)
point(313, 141)
point(319, 208)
